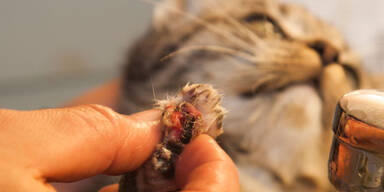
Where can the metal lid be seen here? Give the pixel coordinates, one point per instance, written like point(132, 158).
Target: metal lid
point(366, 105)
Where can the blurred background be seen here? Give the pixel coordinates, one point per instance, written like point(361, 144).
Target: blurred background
point(52, 51)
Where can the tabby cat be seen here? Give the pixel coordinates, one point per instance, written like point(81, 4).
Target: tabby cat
point(280, 68)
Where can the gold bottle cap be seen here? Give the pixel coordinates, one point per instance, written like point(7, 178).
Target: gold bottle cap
point(366, 105)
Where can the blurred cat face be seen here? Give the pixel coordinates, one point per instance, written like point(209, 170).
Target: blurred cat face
point(274, 64)
point(246, 46)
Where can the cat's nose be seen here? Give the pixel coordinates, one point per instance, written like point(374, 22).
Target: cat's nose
point(327, 53)
point(356, 161)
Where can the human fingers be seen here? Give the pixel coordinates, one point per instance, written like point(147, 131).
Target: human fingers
point(110, 188)
point(73, 143)
point(204, 166)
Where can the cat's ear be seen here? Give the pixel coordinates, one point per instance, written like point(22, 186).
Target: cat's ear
point(173, 11)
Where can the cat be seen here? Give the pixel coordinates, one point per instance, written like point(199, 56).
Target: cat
point(281, 70)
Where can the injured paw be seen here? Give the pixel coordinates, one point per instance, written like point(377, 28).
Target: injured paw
point(195, 110)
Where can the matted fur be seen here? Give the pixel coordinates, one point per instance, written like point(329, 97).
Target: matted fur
point(199, 111)
point(280, 68)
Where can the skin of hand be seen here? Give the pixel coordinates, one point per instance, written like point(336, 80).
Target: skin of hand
point(73, 143)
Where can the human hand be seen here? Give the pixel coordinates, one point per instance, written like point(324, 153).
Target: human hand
point(70, 144)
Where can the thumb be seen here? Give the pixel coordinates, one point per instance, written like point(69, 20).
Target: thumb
point(110, 188)
point(204, 166)
point(69, 144)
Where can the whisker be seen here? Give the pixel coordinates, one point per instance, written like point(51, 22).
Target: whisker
point(245, 30)
point(224, 33)
point(254, 61)
point(153, 90)
point(213, 48)
point(253, 37)
point(238, 25)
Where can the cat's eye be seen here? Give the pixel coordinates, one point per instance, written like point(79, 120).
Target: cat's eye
point(248, 94)
point(255, 17)
point(261, 24)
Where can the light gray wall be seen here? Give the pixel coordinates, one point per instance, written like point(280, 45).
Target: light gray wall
point(52, 50)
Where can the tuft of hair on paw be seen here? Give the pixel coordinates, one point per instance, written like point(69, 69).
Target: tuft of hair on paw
point(201, 98)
